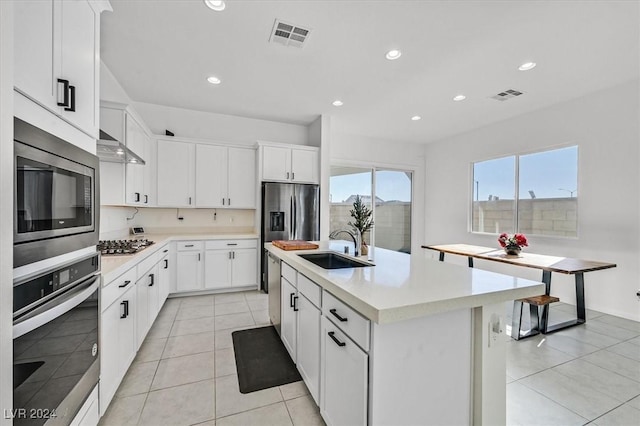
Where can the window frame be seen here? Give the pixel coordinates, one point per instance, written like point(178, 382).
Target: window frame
point(516, 220)
point(373, 167)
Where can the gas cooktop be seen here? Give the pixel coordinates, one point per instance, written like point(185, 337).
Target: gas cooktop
point(122, 247)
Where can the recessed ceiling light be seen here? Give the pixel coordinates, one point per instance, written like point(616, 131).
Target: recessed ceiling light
point(217, 5)
point(527, 66)
point(214, 80)
point(120, 152)
point(459, 98)
point(393, 54)
point(416, 118)
point(133, 160)
point(338, 102)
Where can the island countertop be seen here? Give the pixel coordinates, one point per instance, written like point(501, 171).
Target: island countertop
point(402, 286)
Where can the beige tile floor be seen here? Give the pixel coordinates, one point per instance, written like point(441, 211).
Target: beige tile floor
point(184, 373)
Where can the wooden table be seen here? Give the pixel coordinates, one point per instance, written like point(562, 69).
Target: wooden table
point(548, 264)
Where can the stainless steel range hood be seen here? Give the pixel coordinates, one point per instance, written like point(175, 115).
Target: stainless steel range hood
point(111, 150)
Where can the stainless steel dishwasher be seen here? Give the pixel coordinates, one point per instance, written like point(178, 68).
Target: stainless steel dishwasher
point(273, 276)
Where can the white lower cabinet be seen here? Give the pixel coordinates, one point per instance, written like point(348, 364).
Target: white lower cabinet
point(308, 344)
point(300, 325)
point(289, 319)
point(189, 260)
point(148, 302)
point(216, 264)
point(118, 337)
point(344, 378)
point(164, 277)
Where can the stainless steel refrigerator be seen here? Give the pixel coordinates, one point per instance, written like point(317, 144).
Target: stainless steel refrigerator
point(290, 211)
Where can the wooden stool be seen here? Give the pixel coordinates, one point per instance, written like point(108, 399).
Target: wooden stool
point(537, 326)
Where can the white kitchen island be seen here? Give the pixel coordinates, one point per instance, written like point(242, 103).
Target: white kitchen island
point(409, 341)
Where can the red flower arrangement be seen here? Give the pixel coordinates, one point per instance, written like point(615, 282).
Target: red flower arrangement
point(518, 240)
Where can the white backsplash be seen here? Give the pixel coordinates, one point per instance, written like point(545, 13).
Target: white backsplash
point(115, 222)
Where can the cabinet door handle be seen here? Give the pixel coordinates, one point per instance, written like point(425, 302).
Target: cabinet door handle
point(146, 198)
point(287, 175)
point(166, 263)
point(125, 312)
point(291, 296)
point(136, 197)
point(295, 303)
point(198, 257)
point(232, 244)
point(223, 201)
point(233, 254)
point(72, 103)
point(165, 250)
point(335, 339)
point(126, 283)
point(335, 314)
point(228, 201)
point(293, 175)
point(188, 245)
point(65, 91)
point(152, 280)
point(229, 255)
point(189, 200)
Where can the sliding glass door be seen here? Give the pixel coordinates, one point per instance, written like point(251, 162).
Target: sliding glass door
point(391, 190)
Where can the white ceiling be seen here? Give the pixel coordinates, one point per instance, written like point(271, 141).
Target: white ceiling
point(162, 51)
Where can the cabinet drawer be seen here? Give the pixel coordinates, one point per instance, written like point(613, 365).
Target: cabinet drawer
point(231, 244)
point(115, 288)
point(189, 245)
point(148, 263)
point(289, 273)
point(311, 290)
point(348, 320)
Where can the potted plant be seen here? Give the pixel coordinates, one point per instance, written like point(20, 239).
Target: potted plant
point(362, 220)
point(512, 245)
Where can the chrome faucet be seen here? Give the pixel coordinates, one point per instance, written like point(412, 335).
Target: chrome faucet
point(355, 235)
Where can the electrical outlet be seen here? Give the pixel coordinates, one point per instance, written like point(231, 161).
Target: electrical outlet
point(496, 328)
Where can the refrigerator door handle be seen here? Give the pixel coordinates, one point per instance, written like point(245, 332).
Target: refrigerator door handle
point(294, 216)
point(291, 218)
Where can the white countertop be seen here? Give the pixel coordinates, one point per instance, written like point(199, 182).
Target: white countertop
point(402, 286)
point(114, 266)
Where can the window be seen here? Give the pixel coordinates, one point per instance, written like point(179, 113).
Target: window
point(391, 190)
point(547, 197)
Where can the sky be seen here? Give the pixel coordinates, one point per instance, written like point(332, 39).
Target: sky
point(391, 185)
point(549, 174)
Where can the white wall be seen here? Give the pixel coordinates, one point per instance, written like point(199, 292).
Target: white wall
point(364, 151)
point(605, 126)
point(220, 127)
point(110, 89)
point(6, 208)
point(115, 222)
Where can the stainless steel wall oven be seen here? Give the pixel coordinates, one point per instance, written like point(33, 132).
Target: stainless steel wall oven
point(56, 201)
point(55, 342)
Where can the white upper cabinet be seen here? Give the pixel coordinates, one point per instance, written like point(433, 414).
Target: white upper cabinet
point(205, 175)
point(176, 165)
point(242, 178)
point(139, 187)
point(211, 176)
point(56, 58)
point(225, 177)
point(290, 164)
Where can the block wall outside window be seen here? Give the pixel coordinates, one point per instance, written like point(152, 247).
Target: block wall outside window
point(548, 198)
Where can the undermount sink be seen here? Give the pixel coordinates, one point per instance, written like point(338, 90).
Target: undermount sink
point(332, 260)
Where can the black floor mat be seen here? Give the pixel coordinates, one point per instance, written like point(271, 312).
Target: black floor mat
point(262, 360)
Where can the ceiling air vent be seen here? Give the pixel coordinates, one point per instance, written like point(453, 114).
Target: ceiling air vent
point(288, 34)
point(506, 95)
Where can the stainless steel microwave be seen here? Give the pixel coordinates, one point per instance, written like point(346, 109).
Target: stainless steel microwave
point(56, 200)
